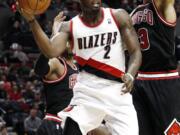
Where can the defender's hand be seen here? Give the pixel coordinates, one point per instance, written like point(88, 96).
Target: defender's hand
point(58, 22)
point(128, 80)
point(29, 17)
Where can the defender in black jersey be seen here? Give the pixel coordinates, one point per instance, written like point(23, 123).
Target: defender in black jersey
point(157, 87)
point(58, 80)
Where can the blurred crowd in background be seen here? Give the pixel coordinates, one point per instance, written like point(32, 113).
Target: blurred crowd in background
point(21, 96)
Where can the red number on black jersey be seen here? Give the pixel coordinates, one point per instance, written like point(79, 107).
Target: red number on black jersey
point(144, 39)
point(72, 80)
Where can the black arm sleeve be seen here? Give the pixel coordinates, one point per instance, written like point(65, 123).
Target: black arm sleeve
point(41, 66)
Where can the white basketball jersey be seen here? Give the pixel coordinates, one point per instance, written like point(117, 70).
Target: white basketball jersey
point(99, 46)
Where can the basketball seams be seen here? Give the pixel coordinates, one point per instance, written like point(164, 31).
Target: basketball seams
point(29, 5)
point(37, 7)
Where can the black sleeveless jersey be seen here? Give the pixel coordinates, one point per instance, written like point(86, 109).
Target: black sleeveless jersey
point(58, 93)
point(157, 39)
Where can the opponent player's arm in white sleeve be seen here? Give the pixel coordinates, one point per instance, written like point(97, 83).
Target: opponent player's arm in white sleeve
point(166, 10)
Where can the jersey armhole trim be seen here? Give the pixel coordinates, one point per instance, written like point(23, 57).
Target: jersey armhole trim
point(114, 18)
point(171, 24)
point(71, 35)
point(61, 77)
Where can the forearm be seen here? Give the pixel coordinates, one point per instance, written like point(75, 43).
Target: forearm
point(134, 62)
point(42, 40)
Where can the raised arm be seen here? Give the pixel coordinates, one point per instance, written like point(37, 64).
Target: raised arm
point(50, 48)
point(166, 9)
point(130, 38)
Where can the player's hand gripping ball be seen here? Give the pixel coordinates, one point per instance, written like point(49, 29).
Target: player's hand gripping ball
point(34, 6)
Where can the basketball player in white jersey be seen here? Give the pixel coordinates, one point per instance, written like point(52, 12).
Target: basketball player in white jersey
point(102, 90)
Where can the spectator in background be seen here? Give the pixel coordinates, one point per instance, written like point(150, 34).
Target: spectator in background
point(32, 122)
point(5, 83)
point(19, 54)
point(15, 95)
point(5, 17)
point(125, 4)
point(28, 92)
point(3, 130)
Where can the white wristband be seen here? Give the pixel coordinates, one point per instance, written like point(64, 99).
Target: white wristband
point(132, 78)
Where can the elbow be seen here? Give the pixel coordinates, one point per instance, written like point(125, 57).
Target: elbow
point(48, 50)
point(51, 53)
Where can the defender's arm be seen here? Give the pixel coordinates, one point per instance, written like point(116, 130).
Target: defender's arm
point(166, 9)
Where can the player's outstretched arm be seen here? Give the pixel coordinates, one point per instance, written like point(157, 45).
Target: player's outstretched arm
point(50, 48)
point(166, 9)
point(130, 38)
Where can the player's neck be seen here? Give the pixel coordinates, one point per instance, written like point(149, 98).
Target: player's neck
point(91, 19)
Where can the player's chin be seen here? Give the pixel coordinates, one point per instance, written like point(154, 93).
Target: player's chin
point(96, 9)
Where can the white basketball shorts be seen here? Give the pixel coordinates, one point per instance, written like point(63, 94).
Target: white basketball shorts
point(97, 99)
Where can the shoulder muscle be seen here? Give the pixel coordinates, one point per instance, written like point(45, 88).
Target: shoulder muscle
point(122, 17)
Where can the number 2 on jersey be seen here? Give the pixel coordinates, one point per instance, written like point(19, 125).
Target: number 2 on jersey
point(144, 39)
point(107, 49)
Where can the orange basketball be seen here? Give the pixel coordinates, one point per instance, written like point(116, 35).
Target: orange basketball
point(34, 6)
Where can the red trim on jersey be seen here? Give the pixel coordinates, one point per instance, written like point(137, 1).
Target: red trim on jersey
point(139, 6)
point(95, 25)
point(171, 24)
point(114, 18)
point(71, 35)
point(80, 60)
point(61, 77)
point(100, 66)
point(159, 72)
point(158, 78)
point(48, 114)
point(52, 117)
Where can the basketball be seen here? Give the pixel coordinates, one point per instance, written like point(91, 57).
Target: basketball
point(34, 6)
